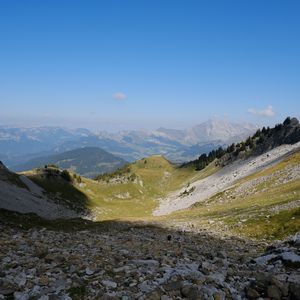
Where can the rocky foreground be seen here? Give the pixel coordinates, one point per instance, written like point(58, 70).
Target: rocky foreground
point(131, 262)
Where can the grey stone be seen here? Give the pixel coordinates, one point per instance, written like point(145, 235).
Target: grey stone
point(252, 293)
point(274, 292)
point(295, 291)
point(191, 292)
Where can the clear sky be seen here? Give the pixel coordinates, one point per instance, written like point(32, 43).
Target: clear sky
point(144, 64)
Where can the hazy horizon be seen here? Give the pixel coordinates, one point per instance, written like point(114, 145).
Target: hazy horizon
point(131, 126)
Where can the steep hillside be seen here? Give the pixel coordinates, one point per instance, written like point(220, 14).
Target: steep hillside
point(19, 193)
point(263, 140)
point(226, 176)
point(87, 161)
point(265, 204)
point(265, 148)
point(60, 186)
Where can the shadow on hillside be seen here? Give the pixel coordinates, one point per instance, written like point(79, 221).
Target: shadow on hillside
point(62, 192)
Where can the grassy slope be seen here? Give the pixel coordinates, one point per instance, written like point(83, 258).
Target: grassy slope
point(250, 213)
point(132, 193)
point(154, 177)
point(129, 193)
point(60, 190)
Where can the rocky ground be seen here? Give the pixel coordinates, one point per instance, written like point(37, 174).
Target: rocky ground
point(126, 261)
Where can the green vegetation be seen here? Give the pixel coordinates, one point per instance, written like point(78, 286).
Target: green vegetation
point(258, 206)
point(133, 191)
point(59, 186)
point(275, 226)
point(250, 214)
point(204, 160)
point(66, 175)
point(261, 141)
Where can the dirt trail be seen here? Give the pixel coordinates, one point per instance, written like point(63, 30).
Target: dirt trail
point(221, 180)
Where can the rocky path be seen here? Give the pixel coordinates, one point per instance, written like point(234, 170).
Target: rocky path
point(219, 181)
point(128, 262)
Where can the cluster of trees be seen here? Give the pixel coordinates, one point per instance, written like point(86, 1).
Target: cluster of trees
point(66, 175)
point(77, 178)
point(205, 159)
point(260, 136)
point(233, 149)
point(52, 169)
point(124, 171)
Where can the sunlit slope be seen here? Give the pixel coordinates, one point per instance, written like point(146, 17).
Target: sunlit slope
point(131, 192)
point(264, 204)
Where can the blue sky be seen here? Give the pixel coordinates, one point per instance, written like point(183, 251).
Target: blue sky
point(144, 64)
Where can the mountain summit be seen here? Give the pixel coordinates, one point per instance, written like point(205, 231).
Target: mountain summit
point(211, 130)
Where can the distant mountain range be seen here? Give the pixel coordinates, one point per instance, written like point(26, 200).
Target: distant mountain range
point(211, 130)
point(19, 145)
point(87, 161)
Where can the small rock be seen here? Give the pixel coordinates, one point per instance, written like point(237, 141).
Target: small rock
point(44, 280)
point(144, 262)
point(21, 296)
point(6, 260)
point(251, 293)
point(295, 291)
point(218, 296)
point(274, 292)
point(88, 271)
point(191, 292)
point(291, 259)
point(173, 285)
point(45, 297)
point(110, 284)
point(155, 295)
point(222, 254)
point(284, 287)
